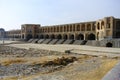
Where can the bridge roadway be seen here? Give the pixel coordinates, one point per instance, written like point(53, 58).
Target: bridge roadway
point(80, 49)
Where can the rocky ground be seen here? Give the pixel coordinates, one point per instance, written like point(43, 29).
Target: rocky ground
point(37, 64)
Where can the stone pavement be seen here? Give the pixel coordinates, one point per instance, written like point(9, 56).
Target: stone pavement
point(113, 74)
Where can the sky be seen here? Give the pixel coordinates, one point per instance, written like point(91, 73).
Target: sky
point(14, 13)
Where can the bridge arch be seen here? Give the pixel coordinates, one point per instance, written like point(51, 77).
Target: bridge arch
point(65, 36)
point(91, 36)
point(71, 37)
point(59, 36)
point(109, 44)
point(80, 37)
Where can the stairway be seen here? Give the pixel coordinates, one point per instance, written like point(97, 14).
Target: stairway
point(68, 41)
point(61, 41)
point(77, 42)
point(30, 40)
point(83, 42)
point(35, 41)
point(46, 41)
point(54, 41)
point(40, 41)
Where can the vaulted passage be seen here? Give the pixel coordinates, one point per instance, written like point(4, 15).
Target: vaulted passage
point(52, 36)
point(23, 36)
point(29, 36)
point(91, 37)
point(72, 37)
point(65, 37)
point(80, 37)
point(46, 36)
point(109, 44)
point(59, 37)
point(41, 36)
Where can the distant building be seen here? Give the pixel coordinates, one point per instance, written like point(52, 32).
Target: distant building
point(2, 33)
point(102, 32)
point(106, 28)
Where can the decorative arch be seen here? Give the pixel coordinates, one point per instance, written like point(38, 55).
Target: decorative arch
point(91, 36)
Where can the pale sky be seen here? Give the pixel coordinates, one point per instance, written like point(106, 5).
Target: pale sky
point(13, 13)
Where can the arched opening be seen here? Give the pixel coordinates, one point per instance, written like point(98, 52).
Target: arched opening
point(78, 27)
point(36, 36)
point(46, 36)
point(65, 37)
point(98, 26)
point(41, 36)
point(29, 36)
point(67, 28)
point(88, 27)
point(109, 44)
point(23, 36)
point(72, 37)
point(80, 37)
point(52, 36)
point(83, 27)
point(59, 37)
point(91, 37)
point(70, 27)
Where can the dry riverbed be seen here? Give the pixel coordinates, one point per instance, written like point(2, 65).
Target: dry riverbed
point(36, 64)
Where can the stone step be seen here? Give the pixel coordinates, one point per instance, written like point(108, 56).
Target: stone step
point(61, 41)
point(35, 41)
point(30, 40)
point(54, 41)
point(83, 42)
point(78, 42)
point(46, 41)
point(68, 42)
point(40, 41)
